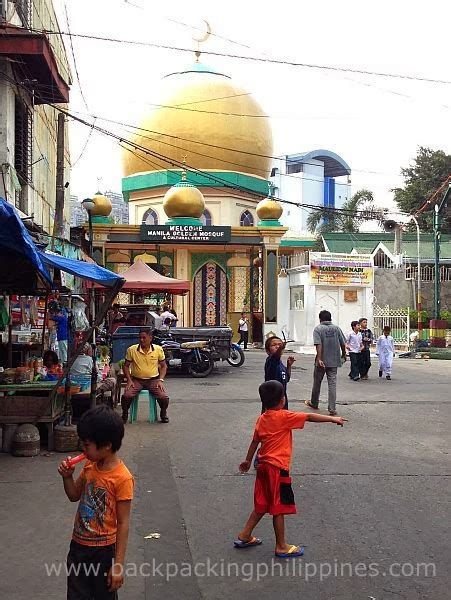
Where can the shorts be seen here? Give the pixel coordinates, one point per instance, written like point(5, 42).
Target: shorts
point(272, 492)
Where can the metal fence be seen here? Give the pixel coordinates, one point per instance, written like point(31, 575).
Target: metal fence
point(428, 272)
point(398, 319)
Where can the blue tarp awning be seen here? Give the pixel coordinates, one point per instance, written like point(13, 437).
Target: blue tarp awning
point(15, 239)
point(90, 271)
point(24, 261)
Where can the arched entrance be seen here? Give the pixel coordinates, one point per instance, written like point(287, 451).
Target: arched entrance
point(210, 296)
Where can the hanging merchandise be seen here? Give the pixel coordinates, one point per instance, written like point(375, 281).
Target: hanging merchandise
point(79, 319)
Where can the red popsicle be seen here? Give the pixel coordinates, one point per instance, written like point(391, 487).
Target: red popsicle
point(73, 461)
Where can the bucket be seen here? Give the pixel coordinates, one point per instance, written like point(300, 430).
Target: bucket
point(26, 441)
point(66, 438)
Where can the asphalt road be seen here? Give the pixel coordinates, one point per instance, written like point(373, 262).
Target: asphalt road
point(373, 497)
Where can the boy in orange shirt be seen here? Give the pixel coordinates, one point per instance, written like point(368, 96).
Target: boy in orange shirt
point(273, 493)
point(105, 491)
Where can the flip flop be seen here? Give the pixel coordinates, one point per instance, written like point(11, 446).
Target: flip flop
point(293, 552)
point(252, 542)
point(310, 405)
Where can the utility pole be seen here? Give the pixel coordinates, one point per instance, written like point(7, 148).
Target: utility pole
point(58, 226)
point(438, 209)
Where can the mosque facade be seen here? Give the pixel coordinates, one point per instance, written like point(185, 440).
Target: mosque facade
point(197, 182)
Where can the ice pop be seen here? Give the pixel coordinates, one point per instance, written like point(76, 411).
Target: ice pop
point(73, 461)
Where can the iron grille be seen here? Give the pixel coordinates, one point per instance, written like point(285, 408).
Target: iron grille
point(24, 9)
point(23, 150)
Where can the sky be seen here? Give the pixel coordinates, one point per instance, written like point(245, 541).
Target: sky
point(376, 124)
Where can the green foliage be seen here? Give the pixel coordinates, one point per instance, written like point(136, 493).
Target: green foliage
point(429, 170)
point(348, 219)
point(426, 317)
point(414, 316)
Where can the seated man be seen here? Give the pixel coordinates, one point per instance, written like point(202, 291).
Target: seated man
point(81, 371)
point(145, 368)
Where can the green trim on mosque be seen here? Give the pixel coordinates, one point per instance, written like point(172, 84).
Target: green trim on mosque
point(97, 219)
point(297, 243)
point(183, 221)
point(269, 223)
point(229, 179)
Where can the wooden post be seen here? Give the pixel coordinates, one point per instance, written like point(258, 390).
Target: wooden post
point(58, 226)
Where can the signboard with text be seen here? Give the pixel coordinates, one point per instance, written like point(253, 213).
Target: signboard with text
point(341, 269)
point(186, 233)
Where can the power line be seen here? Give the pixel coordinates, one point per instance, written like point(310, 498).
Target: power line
point(251, 58)
point(234, 150)
point(73, 57)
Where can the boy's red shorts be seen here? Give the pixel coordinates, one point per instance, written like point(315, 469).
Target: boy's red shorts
point(272, 492)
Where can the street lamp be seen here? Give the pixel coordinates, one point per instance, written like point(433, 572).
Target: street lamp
point(419, 299)
point(88, 204)
point(396, 227)
point(438, 209)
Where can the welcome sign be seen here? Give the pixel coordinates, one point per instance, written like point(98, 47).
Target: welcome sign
point(186, 233)
point(341, 269)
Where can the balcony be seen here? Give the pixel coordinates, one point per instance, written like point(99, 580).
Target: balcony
point(33, 54)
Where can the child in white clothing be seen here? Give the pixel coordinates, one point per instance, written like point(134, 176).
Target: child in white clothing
point(385, 350)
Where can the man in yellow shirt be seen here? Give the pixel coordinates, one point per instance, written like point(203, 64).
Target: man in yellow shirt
point(145, 368)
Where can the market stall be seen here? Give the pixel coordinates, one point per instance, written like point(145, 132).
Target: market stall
point(26, 272)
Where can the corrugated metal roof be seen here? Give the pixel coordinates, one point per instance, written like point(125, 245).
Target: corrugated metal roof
point(367, 242)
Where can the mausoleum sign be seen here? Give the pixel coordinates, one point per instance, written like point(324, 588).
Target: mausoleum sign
point(341, 269)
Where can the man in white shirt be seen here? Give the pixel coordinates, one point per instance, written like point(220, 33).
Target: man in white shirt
point(354, 345)
point(243, 330)
point(169, 319)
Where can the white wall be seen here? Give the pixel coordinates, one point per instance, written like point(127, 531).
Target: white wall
point(316, 298)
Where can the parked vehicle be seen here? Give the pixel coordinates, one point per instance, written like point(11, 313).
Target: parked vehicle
point(236, 356)
point(192, 357)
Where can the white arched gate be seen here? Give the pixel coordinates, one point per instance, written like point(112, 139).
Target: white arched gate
point(398, 319)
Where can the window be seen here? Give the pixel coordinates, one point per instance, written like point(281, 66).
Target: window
point(150, 217)
point(297, 297)
point(205, 218)
point(246, 219)
point(23, 150)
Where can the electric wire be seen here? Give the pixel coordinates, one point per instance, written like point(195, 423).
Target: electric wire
point(252, 58)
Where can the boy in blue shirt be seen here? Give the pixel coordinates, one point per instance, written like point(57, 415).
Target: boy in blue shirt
point(275, 370)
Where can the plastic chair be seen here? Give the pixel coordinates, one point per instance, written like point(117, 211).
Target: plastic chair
point(152, 407)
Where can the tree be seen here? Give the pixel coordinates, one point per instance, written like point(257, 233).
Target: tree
point(429, 170)
point(359, 208)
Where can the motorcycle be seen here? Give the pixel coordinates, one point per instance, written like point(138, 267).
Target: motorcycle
point(236, 357)
point(192, 357)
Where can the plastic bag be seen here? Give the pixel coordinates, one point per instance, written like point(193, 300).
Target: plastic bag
point(79, 319)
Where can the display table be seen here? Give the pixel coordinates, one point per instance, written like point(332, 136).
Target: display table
point(31, 403)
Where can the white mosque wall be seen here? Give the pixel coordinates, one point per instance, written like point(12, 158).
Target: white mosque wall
point(224, 209)
point(299, 320)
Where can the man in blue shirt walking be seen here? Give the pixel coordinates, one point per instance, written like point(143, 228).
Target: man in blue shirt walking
point(61, 334)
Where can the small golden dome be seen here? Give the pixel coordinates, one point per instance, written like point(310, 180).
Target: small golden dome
point(103, 206)
point(269, 210)
point(183, 200)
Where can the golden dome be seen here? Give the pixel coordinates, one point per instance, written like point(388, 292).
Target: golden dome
point(205, 116)
point(269, 210)
point(103, 206)
point(183, 200)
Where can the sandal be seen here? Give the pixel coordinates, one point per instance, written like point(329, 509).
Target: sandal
point(310, 405)
point(293, 552)
point(333, 413)
point(254, 541)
